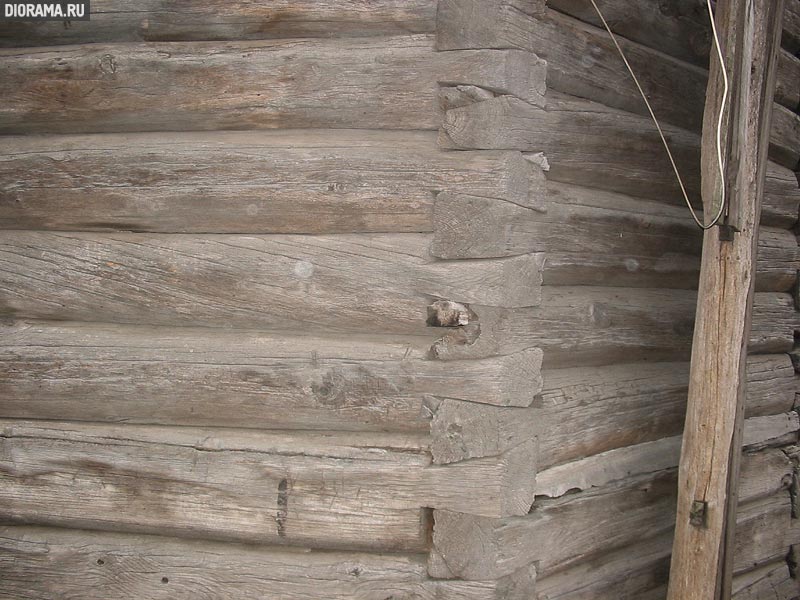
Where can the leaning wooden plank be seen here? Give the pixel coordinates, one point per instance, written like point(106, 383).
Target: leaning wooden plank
point(42, 563)
point(269, 282)
point(585, 143)
point(589, 410)
point(158, 21)
point(305, 83)
point(772, 580)
point(246, 182)
point(310, 489)
point(186, 376)
point(785, 142)
point(592, 237)
point(593, 326)
point(779, 208)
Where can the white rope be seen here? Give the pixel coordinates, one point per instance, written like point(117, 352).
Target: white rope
point(720, 161)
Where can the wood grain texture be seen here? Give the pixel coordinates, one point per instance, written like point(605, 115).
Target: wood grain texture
point(312, 490)
point(186, 376)
point(591, 237)
point(787, 90)
point(165, 20)
point(585, 326)
point(770, 580)
point(42, 563)
point(578, 530)
point(306, 83)
point(791, 27)
point(586, 143)
point(246, 182)
point(785, 141)
point(589, 410)
point(582, 61)
point(296, 283)
point(779, 207)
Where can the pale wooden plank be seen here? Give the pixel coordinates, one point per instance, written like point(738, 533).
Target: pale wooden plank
point(186, 376)
point(295, 283)
point(246, 182)
point(305, 83)
point(160, 20)
point(42, 563)
point(591, 237)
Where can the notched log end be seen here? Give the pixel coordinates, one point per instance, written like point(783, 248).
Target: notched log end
point(464, 24)
point(465, 546)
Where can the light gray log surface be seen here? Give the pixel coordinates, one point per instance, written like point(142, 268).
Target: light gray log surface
point(372, 283)
point(309, 489)
point(186, 376)
point(591, 237)
point(165, 20)
point(246, 182)
point(43, 563)
point(367, 83)
point(593, 326)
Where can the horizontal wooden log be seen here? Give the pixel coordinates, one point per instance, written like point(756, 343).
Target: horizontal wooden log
point(311, 490)
point(762, 531)
point(306, 83)
point(781, 202)
point(296, 283)
point(247, 182)
point(583, 61)
point(785, 143)
point(787, 90)
point(772, 430)
point(791, 27)
point(771, 580)
point(185, 376)
point(41, 563)
point(159, 21)
point(591, 237)
point(765, 472)
point(586, 143)
point(567, 532)
point(589, 410)
point(679, 29)
point(592, 326)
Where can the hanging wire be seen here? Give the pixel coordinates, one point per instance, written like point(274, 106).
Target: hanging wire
point(720, 161)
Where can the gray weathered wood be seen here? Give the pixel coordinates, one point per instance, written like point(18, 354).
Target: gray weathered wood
point(585, 143)
point(766, 475)
point(247, 182)
point(590, 326)
point(762, 531)
point(43, 563)
point(311, 489)
point(270, 282)
point(161, 20)
point(186, 376)
point(306, 83)
point(785, 141)
point(589, 410)
point(791, 26)
point(787, 90)
point(583, 61)
point(595, 237)
point(779, 207)
point(772, 580)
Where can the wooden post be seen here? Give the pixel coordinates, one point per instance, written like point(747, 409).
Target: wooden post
point(749, 33)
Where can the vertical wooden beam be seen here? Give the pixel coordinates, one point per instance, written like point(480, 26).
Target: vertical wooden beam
point(701, 561)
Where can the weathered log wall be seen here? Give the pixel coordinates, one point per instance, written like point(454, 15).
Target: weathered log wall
point(397, 298)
